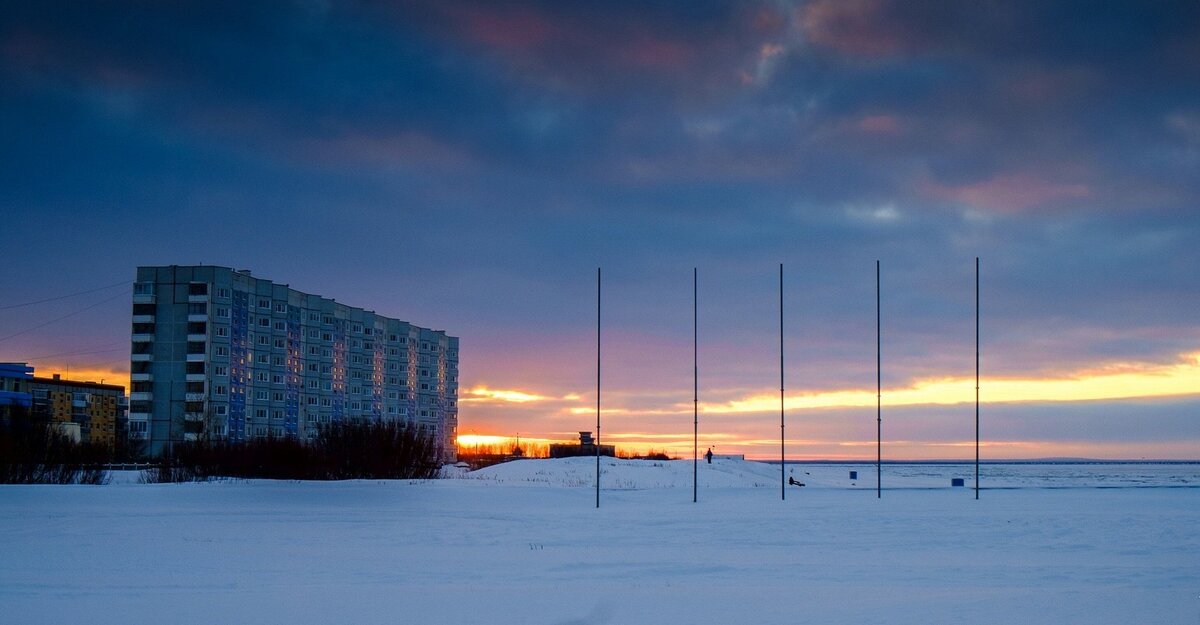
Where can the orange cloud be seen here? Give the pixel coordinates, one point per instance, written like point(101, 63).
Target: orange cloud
point(1010, 193)
point(1182, 378)
point(485, 394)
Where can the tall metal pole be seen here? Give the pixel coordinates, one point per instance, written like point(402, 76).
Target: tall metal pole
point(878, 393)
point(695, 390)
point(976, 377)
point(782, 462)
point(597, 387)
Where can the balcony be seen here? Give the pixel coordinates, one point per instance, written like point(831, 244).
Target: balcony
point(147, 298)
point(193, 397)
point(193, 416)
point(140, 397)
point(142, 338)
point(197, 337)
point(141, 358)
point(197, 298)
point(196, 317)
point(196, 358)
point(196, 377)
point(141, 377)
point(189, 437)
point(139, 416)
point(143, 319)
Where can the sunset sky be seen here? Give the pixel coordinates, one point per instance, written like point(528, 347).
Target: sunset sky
point(468, 165)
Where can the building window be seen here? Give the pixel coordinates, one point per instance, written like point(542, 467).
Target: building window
point(312, 384)
point(281, 308)
point(313, 351)
point(311, 401)
point(276, 379)
point(221, 350)
point(261, 376)
point(221, 371)
point(264, 303)
point(220, 390)
point(222, 331)
point(223, 293)
point(264, 322)
point(326, 336)
point(325, 402)
point(327, 320)
point(222, 410)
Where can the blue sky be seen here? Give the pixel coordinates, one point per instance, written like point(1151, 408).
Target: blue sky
point(468, 165)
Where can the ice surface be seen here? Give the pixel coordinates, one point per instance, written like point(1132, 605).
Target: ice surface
point(523, 543)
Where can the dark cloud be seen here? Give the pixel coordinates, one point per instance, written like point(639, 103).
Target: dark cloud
point(481, 159)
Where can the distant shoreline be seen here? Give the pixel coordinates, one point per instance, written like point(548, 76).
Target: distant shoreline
point(982, 462)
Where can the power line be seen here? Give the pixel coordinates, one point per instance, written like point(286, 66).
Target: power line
point(55, 299)
point(68, 315)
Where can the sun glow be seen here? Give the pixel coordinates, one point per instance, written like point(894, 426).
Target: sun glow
point(1136, 382)
point(485, 394)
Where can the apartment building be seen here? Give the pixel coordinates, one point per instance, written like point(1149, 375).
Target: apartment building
point(222, 354)
point(87, 412)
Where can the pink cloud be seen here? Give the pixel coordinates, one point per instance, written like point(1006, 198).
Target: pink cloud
point(852, 27)
point(1009, 193)
point(596, 48)
point(516, 29)
point(879, 125)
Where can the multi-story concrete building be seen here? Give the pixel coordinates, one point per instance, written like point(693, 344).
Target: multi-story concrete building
point(219, 353)
point(86, 411)
point(14, 387)
point(96, 410)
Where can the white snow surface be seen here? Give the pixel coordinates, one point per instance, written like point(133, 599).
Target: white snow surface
point(524, 543)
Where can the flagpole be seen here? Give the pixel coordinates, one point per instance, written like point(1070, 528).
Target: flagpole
point(878, 393)
point(597, 387)
point(782, 461)
point(695, 390)
point(976, 377)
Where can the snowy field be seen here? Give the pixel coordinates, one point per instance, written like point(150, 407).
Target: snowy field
point(523, 543)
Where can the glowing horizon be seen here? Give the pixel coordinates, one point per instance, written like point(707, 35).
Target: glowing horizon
point(1122, 381)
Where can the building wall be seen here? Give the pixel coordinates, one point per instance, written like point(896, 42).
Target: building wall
point(219, 353)
point(14, 387)
point(97, 410)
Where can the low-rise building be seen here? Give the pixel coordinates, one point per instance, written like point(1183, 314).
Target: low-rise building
point(97, 409)
point(87, 412)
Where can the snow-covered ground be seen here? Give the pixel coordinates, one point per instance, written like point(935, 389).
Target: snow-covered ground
point(523, 543)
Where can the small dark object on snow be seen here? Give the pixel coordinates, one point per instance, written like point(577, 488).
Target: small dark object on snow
point(956, 481)
point(854, 475)
point(792, 482)
point(708, 455)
